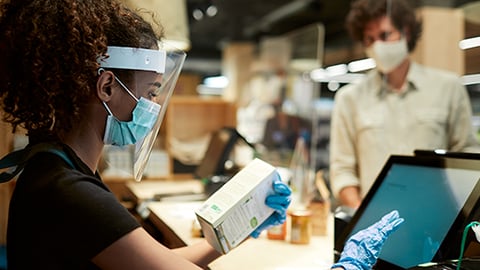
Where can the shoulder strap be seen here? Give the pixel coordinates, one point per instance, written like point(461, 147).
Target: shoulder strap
point(16, 160)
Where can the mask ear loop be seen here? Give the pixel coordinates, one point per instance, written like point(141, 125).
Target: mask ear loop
point(126, 89)
point(106, 108)
point(101, 70)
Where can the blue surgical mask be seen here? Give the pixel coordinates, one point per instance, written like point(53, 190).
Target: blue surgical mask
point(144, 117)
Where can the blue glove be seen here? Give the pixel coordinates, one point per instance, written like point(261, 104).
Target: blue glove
point(361, 249)
point(279, 201)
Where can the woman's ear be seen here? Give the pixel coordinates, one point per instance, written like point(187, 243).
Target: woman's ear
point(105, 84)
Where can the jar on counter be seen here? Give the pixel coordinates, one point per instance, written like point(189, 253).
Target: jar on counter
point(278, 232)
point(301, 226)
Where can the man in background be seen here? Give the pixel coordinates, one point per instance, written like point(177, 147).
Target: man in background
point(398, 107)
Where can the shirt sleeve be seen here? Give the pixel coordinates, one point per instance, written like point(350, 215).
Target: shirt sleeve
point(461, 134)
point(95, 217)
point(343, 163)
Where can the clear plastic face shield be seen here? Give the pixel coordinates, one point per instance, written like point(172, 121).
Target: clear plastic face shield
point(153, 82)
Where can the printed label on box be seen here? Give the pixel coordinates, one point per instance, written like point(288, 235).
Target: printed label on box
point(231, 214)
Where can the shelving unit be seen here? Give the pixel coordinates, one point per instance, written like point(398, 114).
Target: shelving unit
point(192, 117)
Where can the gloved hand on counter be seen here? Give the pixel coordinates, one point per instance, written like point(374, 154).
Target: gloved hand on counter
point(361, 249)
point(279, 201)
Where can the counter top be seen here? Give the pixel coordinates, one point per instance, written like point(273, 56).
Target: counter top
point(260, 253)
point(175, 220)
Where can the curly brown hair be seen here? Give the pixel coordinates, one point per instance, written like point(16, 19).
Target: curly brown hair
point(50, 50)
point(402, 15)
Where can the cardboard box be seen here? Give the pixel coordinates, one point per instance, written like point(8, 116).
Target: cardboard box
point(232, 213)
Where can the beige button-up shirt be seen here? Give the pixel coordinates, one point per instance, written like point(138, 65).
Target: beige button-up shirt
point(370, 122)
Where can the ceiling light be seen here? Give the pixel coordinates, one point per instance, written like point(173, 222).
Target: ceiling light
point(197, 14)
point(469, 43)
point(213, 86)
point(337, 70)
point(471, 79)
point(211, 11)
point(334, 74)
point(361, 65)
point(216, 81)
point(333, 86)
point(319, 75)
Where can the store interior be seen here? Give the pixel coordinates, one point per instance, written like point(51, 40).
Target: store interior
point(259, 80)
point(294, 55)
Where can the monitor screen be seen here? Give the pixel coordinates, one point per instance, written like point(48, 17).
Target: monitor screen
point(435, 196)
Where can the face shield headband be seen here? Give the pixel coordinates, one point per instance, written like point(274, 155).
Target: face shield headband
point(167, 63)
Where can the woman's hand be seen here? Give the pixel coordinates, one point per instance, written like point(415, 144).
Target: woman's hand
point(279, 201)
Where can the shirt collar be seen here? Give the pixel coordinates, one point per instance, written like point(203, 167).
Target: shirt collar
point(413, 80)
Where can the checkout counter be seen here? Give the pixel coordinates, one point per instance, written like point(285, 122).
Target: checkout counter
point(173, 217)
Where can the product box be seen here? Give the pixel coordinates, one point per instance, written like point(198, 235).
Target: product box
point(234, 211)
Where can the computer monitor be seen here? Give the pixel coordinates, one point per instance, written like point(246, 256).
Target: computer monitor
point(219, 150)
point(436, 195)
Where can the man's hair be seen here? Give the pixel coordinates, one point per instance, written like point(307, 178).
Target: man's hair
point(50, 50)
point(402, 15)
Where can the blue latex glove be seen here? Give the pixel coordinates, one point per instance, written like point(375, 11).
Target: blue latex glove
point(279, 201)
point(361, 249)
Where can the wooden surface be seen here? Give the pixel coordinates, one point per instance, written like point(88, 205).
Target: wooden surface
point(145, 190)
point(258, 254)
point(189, 118)
point(438, 47)
point(175, 219)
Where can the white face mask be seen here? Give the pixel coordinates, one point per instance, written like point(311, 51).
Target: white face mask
point(388, 55)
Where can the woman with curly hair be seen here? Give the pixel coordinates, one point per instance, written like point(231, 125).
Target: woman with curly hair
point(76, 75)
